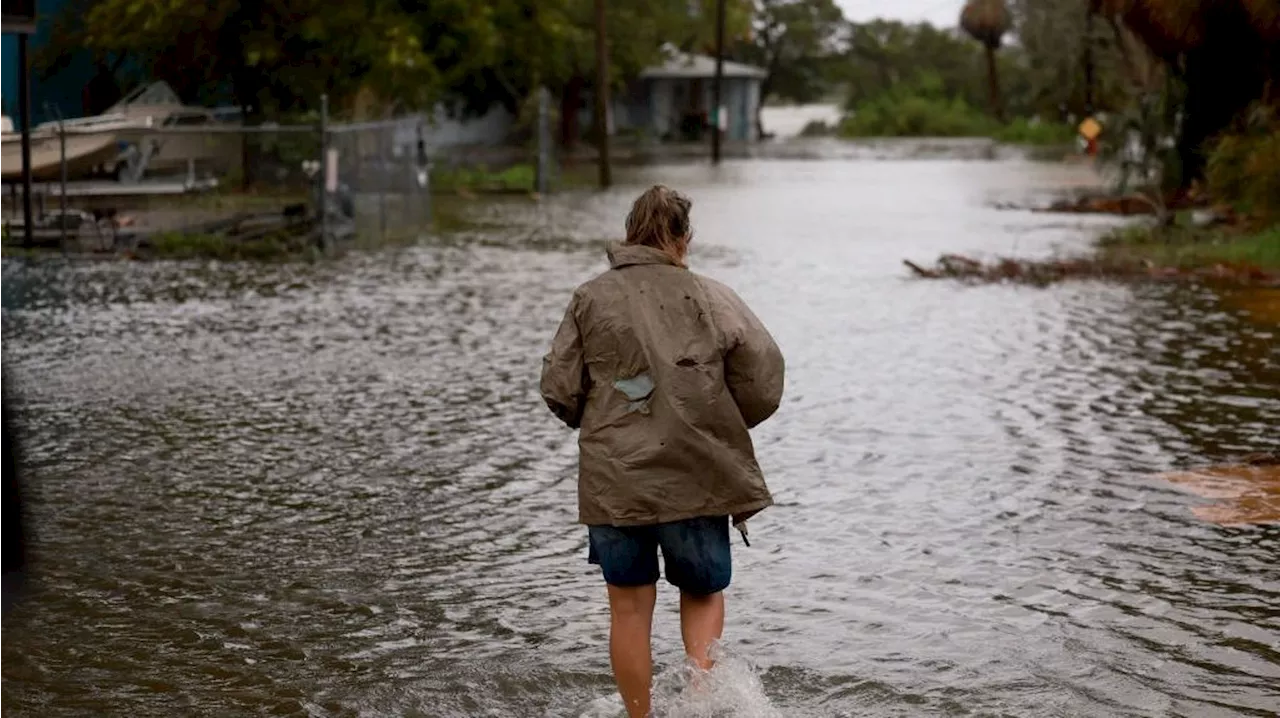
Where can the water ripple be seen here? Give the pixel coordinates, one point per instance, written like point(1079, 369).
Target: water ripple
point(332, 489)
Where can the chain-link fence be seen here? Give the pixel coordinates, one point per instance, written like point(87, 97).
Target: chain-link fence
point(383, 182)
point(379, 175)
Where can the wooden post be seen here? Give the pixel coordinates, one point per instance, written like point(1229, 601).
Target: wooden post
point(24, 116)
point(542, 180)
point(602, 99)
point(1088, 62)
point(323, 200)
point(717, 91)
point(62, 198)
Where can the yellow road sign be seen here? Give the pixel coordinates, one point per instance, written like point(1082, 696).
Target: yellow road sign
point(1090, 129)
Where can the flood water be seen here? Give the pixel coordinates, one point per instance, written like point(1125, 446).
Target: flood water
point(333, 490)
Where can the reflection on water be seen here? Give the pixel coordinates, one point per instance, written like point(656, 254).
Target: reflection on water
point(1245, 493)
point(332, 489)
point(1259, 304)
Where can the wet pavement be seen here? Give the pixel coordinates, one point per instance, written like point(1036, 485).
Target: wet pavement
point(332, 489)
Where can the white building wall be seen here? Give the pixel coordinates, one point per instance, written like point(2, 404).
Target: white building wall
point(661, 107)
point(658, 103)
point(753, 106)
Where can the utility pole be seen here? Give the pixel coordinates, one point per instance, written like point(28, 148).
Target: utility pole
point(602, 99)
point(542, 178)
point(323, 199)
point(1088, 62)
point(717, 91)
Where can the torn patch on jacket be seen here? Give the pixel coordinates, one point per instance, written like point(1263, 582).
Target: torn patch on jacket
point(638, 390)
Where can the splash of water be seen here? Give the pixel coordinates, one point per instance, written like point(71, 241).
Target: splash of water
point(731, 689)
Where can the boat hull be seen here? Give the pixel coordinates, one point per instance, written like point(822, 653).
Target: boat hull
point(85, 153)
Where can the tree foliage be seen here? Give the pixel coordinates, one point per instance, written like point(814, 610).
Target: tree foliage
point(986, 21)
point(1072, 61)
point(551, 43)
point(1042, 66)
point(278, 56)
point(798, 43)
point(884, 54)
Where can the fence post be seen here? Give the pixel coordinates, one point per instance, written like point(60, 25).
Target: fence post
point(544, 142)
point(62, 161)
point(423, 169)
point(717, 89)
point(384, 158)
point(24, 122)
point(323, 173)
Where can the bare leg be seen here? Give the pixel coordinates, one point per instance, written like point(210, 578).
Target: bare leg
point(631, 609)
point(701, 624)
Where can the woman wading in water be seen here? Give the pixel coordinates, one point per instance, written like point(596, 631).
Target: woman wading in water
point(664, 371)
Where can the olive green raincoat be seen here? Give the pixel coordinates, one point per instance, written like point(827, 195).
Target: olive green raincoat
point(664, 371)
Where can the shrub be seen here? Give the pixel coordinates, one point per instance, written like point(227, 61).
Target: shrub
point(923, 109)
point(1022, 131)
point(1243, 167)
point(906, 115)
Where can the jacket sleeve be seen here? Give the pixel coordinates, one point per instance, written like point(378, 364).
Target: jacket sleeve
point(564, 382)
point(753, 364)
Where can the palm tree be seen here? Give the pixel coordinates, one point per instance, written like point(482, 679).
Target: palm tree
point(1264, 16)
point(987, 21)
point(1225, 52)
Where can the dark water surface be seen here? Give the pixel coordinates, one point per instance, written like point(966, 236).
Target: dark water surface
point(332, 490)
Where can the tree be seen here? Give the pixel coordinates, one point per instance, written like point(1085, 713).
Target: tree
point(798, 43)
point(602, 97)
point(1225, 52)
point(279, 56)
point(987, 21)
point(270, 56)
point(1073, 63)
point(551, 43)
point(884, 54)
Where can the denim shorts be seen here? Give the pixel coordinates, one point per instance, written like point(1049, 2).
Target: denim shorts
point(695, 554)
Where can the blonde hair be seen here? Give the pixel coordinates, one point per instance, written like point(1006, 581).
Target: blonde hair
point(659, 218)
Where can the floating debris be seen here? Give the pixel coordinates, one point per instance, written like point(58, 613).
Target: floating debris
point(1043, 272)
point(1128, 205)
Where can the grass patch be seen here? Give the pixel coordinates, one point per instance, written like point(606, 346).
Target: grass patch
point(517, 178)
point(576, 176)
point(231, 201)
point(1022, 131)
point(178, 245)
point(1244, 164)
point(1189, 247)
point(513, 180)
point(20, 252)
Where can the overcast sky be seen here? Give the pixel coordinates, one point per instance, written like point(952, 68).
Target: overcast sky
point(945, 13)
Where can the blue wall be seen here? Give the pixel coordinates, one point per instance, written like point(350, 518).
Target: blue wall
point(62, 91)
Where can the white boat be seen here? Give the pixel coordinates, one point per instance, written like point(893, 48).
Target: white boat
point(175, 153)
point(121, 142)
point(83, 152)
